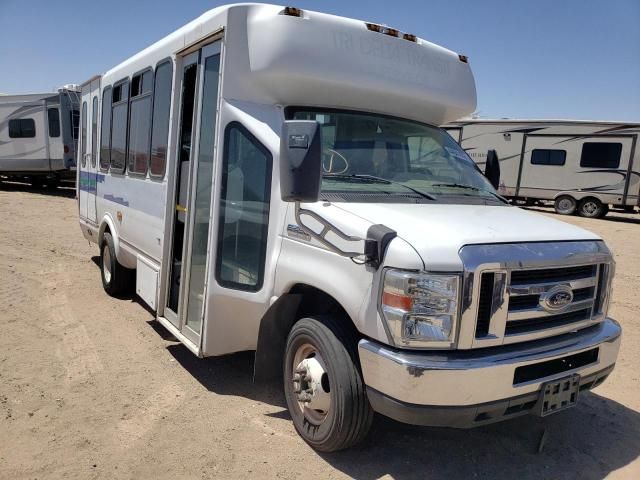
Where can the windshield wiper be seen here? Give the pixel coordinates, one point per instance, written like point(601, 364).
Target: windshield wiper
point(374, 179)
point(470, 187)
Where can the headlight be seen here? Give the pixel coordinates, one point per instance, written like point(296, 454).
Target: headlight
point(421, 309)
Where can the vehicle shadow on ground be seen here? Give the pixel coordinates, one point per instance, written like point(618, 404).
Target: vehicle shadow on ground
point(64, 190)
point(589, 441)
point(611, 217)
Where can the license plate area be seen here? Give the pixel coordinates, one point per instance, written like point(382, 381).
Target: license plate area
point(558, 395)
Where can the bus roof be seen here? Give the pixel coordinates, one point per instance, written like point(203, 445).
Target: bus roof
point(317, 59)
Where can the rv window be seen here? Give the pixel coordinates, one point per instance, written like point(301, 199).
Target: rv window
point(119, 116)
point(548, 157)
point(105, 130)
point(53, 116)
point(22, 128)
point(84, 133)
point(94, 130)
point(160, 121)
point(600, 155)
point(244, 210)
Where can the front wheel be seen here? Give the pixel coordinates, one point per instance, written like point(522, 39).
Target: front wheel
point(323, 386)
point(565, 205)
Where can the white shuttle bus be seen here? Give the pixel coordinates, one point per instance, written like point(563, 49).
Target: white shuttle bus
point(277, 181)
point(583, 167)
point(39, 135)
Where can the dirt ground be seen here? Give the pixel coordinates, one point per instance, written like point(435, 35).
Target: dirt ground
point(92, 387)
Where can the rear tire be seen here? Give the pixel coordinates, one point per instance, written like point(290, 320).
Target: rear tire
point(115, 277)
point(591, 208)
point(565, 205)
point(345, 416)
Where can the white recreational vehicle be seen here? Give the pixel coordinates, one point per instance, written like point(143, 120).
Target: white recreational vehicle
point(38, 136)
point(583, 167)
point(276, 181)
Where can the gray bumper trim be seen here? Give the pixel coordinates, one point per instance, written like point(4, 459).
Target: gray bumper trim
point(465, 378)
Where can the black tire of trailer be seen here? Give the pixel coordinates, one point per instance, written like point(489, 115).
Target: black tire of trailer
point(350, 416)
point(591, 207)
point(117, 279)
point(565, 205)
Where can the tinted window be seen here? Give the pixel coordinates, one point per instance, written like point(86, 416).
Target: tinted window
point(119, 114)
point(139, 125)
point(244, 210)
point(84, 133)
point(53, 116)
point(548, 157)
point(601, 155)
point(160, 122)
point(94, 130)
point(22, 128)
point(105, 130)
point(74, 117)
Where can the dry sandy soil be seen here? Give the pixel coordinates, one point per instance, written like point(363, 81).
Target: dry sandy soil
point(92, 387)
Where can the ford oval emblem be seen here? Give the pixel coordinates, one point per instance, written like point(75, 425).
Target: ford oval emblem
point(557, 298)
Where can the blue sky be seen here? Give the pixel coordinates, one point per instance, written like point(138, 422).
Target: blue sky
point(531, 59)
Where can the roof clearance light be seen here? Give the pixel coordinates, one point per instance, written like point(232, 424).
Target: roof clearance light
point(411, 37)
point(463, 58)
point(292, 12)
point(374, 27)
point(392, 32)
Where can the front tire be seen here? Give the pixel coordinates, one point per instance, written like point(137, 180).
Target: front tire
point(323, 385)
point(115, 277)
point(591, 208)
point(565, 205)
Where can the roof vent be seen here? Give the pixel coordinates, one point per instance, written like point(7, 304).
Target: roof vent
point(374, 27)
point(292, 12)
point(463, 58)
point(411, 37)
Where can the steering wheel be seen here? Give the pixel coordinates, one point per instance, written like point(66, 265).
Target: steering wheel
point(328, 165)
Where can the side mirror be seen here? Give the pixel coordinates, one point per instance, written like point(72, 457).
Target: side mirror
point(492, 169)
point(300, 161)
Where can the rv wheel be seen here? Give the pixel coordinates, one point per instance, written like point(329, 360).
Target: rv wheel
point(323, 385)
point(114, 275)
point(591, 208)
point(565, 205)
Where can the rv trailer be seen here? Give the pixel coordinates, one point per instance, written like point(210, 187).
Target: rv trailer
point(582, 167)
point(39, 135)
point(273, 179)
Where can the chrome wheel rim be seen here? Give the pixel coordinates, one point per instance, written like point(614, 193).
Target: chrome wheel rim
point(565, 204)
point(106, 264)
point(310, 383)
point(590, 207)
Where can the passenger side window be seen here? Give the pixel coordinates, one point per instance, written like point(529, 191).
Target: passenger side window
point(105, 130)
point(119, 116)
point(160, 122)
point(53, 116)
point(244, 210)
point(83, 140)
point(548, 157)
point(22, 128)
point(601, 155)
point(94, 130)
point(139, 122)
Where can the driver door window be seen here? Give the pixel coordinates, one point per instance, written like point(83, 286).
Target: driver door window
point(244, 210)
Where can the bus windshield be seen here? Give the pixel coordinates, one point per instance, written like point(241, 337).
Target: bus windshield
point(394, 160)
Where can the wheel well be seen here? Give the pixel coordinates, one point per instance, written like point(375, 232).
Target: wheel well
point(301, 301)
point(104, 228)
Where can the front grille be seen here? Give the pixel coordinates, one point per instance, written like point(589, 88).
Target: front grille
point(530, 294)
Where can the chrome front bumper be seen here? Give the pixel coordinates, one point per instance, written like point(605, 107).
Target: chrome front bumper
point(465, 388)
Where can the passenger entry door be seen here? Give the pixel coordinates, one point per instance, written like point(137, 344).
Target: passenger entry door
point(193, 191)
point(88, 149)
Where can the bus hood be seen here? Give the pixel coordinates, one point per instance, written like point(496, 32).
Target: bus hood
point(437, 232)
